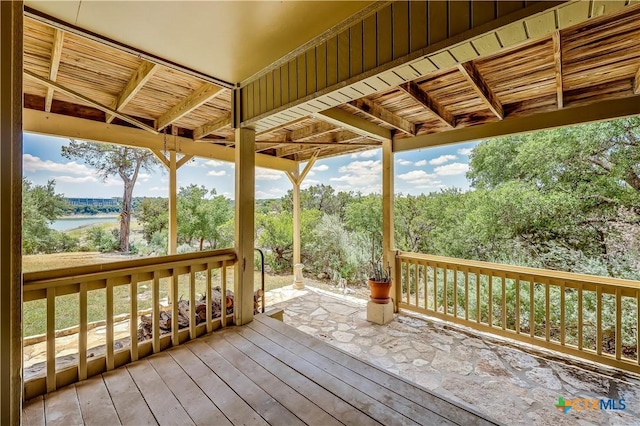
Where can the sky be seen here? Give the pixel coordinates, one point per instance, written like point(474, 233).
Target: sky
point(420, 171)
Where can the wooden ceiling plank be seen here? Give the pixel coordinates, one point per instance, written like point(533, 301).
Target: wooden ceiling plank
point(200, 96)
point(212, 126)
point(83, 98)
point(636, 83)
point(145, 71)
point(56, 54)
point(480, 86)
point(378, 112)
point(423, 98)
point(557, 61)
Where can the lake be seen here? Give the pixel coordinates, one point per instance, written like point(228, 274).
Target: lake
point(67, 223)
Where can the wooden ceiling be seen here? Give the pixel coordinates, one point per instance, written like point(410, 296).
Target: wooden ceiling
point(599, 60)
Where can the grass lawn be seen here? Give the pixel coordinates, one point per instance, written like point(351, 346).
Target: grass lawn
point(67, 307)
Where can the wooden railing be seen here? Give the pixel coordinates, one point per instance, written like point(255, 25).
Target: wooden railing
point(195, 269)
point(594, 318)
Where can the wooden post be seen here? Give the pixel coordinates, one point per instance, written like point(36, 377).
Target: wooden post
point(388, 253)
point(244, 232)
point(173, 204)
point(296, 180)
point(11, 30)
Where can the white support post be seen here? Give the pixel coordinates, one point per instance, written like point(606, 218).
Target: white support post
point(173, 204)
point(388, 254)
point(244, 226)
point(11, 32)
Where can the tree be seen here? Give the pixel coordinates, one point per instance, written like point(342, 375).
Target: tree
point(153, 214)
point(115, 160)
point(40, 207)
point(201, 213)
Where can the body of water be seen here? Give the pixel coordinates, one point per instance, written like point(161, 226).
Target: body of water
point(67, 223)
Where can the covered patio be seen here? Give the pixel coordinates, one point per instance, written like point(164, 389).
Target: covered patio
point(284, 84)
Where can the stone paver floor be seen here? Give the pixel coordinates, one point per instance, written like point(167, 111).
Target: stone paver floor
point(503, 382)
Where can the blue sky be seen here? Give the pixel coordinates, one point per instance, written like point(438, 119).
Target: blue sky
point(420, 171)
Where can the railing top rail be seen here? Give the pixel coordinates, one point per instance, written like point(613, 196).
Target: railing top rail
point(521, 270)
point(35, 280)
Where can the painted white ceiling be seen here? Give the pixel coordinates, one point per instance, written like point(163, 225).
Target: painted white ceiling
point(230, 40)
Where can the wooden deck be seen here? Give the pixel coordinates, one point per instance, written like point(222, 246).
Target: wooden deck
point(263, 373)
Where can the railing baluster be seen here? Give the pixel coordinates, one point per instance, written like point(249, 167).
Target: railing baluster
point(223, 297)
point(618, 323)
point(478, 310)
point(51, 339)
point(547, 313)
point(416, 270)
point(133, 319)
point(503, 277)
point(192, 304)
point(435, 287)
point(175, 323)
point(426, 285)
point(532, 307)
point(562, 314)
point(455, 292)
point(466, 294)
point(156, 312)
point(490, 309)
point(517, 326)
point(599, 320)
point(110, 355)
point(208, 300)
point(407, 280)
point(82, 334)
point(445, 303)
point(580, 319)
point(638, 327)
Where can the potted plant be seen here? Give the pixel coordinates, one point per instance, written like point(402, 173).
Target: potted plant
point(380, 283)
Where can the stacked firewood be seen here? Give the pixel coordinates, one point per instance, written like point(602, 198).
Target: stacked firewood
point(145, 327)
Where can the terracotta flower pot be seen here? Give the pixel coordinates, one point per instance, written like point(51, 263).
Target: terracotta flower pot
point(380, 291)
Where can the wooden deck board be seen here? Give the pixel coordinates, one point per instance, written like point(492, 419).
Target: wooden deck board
point(300, 406)
point(165, 406)
point(200, 408)
point(33, 412)
point(438, 405)
point(95, 404)
point(263, 373)
point(127, 400)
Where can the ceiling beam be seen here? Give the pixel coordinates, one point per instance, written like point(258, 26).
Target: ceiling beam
point(139, 78)
point(423, 98)
point(598, 111)
point(313, 130)
point(636, 83)
point(282, 126)
point(482, 89)
point(77, 128)
point(380, 113)
point(200, 96)
point(56, 54)
point(212, 126)
point(557, 61)
point(88, 101)
point(341, 118)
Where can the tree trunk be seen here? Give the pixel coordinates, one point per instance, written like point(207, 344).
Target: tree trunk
point(201, 242)
point(125, 217)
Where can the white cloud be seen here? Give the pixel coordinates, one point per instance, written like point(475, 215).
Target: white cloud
point(213, 163)
point(443, 159)
point(452, 169)
point(271, 193)
point(216, 173)
point(405, 162)
point(321, 168)
point(268, 174)
point(419, 177)
point(309, 182)
point(365, 154)
point(465, 151)
point(76, 179)
point(35, 164)
point(157, 189)
point(421, 163)
point(360, 173)
point(144, 177)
